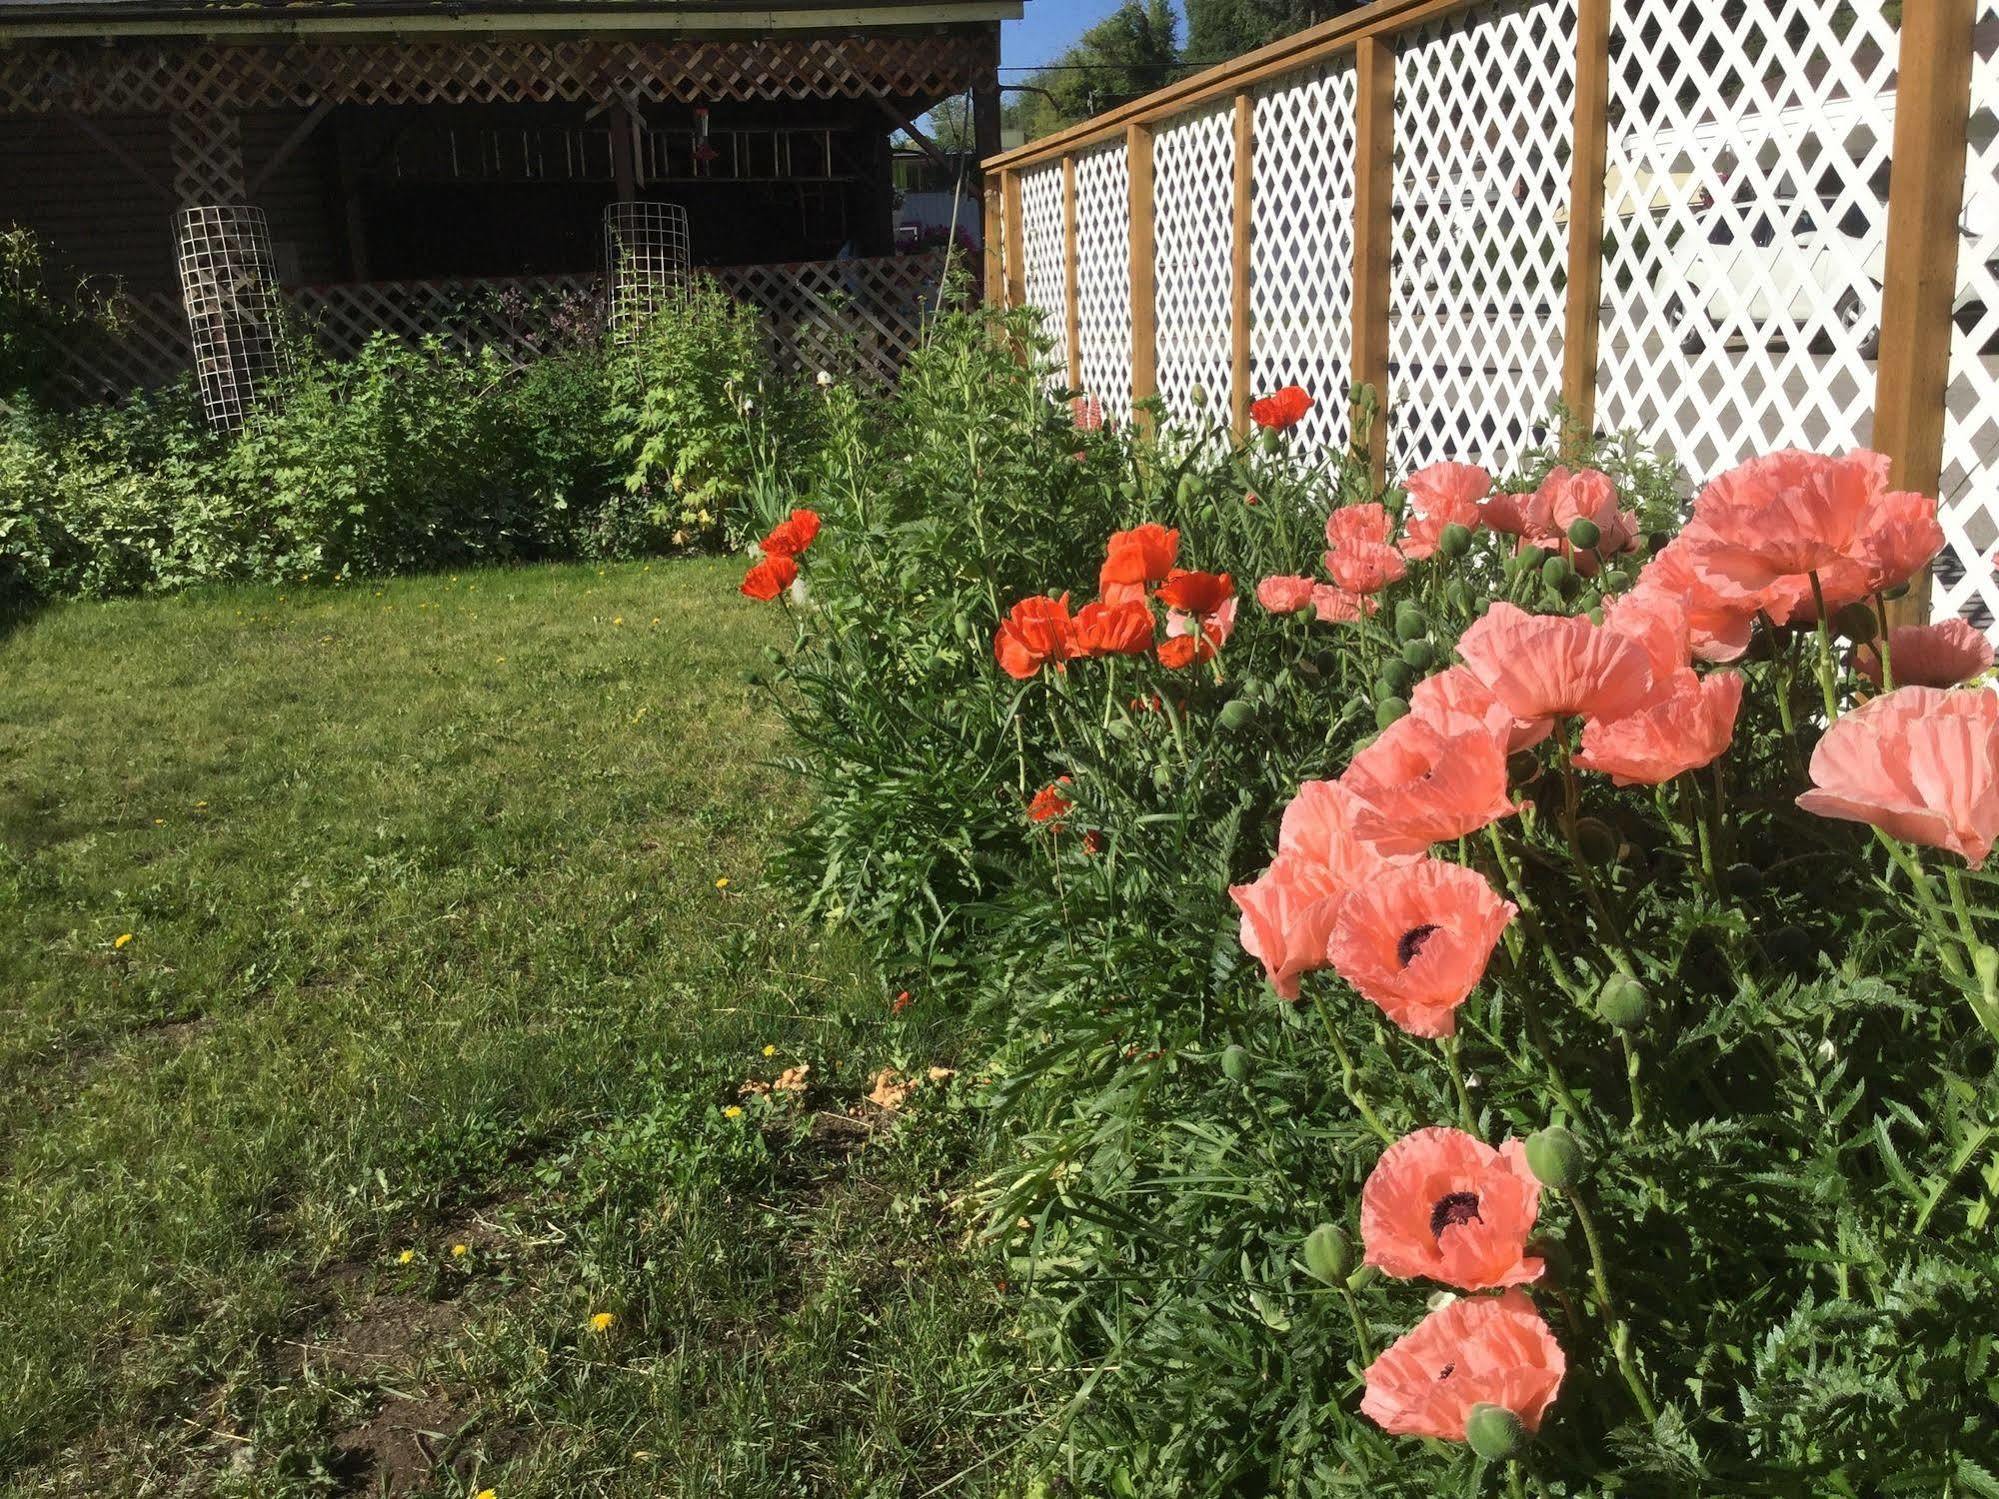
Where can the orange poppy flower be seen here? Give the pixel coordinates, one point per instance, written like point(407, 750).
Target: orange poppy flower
point(792, 536)
point(770, 577)
point(1478, 1350)
point(1112, 629)
point(1035, 633)
point(1919, 763)
point(1135, 560)
point(1941, 655)
point(1283, 410)
point(1546, 666)
point(1183, 650)
point(1418, 787)
point(1687, 727)
point(1198, 594)
point(1049, 805)
point(1443, 1205)
point(1284, 594)
point(1415, 941)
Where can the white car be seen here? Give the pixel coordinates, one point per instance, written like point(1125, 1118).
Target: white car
point(1793, 268)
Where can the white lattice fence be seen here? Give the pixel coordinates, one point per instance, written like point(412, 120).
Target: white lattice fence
point(1193, 163)
point(1965, 581)
point(1044, 250)
point(1103, 283)
point(1483, 141)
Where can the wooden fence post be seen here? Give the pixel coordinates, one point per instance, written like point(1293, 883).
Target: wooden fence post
point(1016, 241)
point(993, 230)
point(1586, 187)
point(1072, 275)
point(1240, 393)
point(1144, 280)
point(1374, 206)
point(1932, 116)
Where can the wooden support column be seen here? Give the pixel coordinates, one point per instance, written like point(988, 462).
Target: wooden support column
point(624, 167)
point(992, 229)
point(1240, 393)
point(1144, 278)
point(1586, 184)
point(1932, 115)
point(1072, 275)
point(1374, 203)
point(1016, 242)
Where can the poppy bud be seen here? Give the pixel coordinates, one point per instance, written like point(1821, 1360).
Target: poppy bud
point(1388, 710)
point(1327, 1254)
point(1395, 502)
point(1623, 1002)
point(1162, 777)
point(1494, 1432)
point(1199, 396)
point(1235, 1064)
point(1273, 441)
point(1558, 573)
point(961, 626)
point(1597, 840)
point(1555, 1157)
point(1454, 541)
point(1655, 542)
point(1744, 881)
point(1899, 591)
point(1584, 532)
point(1856, 622)
point(1236, 714)
point(1397, 676)
point(1410, 622)
point(1459, 596)
point(1791, 947)
point(1986, 962)
point(1529, 559)
point(773, 656)
point(1420, 654)
point(1190, 489)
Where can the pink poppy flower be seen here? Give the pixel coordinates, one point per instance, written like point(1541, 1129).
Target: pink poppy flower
point(1283, 593)
point(1919, 763)
point(1351, 525)
point(1365, 566)
point(1544, 666)
point(1415, 940)
point(1443, 1205)
point(1505, 513)
point(1658, 622)
point(1941, 655)
point(1449, 489)
point(1478, 1350)
point(1287, 915)
point(1418, 786)
point(1217, 625)
point(1336, 606)
point(1318, 832)
point(1456, 702)
point(1718, 625)
point(1569, 495)
point(1900, 537)
point(1687, 727)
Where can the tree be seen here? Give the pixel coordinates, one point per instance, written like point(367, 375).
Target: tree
point(1129, 53)
point(1221, 29)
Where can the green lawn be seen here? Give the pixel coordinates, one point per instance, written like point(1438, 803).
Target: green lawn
point(450, 943)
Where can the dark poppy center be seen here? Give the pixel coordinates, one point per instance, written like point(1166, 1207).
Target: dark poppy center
point(1447, 1371)
point(1457, 1207)
point(1412, 942)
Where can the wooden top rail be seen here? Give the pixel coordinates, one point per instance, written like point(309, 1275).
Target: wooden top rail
point(1286, 55)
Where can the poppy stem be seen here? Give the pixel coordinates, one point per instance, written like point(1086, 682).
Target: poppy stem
point(1450, 1048)
point(1515, 1486)
point(1359, 1327)
point(1536, 1032)
point(1826, 684)
point(1620, 1331)
point(1347, 1086)
point(1631, 1081)
point(1571, 799)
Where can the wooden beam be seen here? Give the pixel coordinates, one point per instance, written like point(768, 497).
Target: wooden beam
point(624, 151)
point(1586, 180)
point(992, 231)
point(135, 168)
point(907, 125)
point(1374, 204)
point(1240, 392)
point(1144, 272)
point(1016, 242)
point(1072, 276)
point(1932, 116)
point(290, 144)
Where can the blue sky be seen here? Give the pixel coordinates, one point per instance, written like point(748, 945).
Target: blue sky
point(1048, 28)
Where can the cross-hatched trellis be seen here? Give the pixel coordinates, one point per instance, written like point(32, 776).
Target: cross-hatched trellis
point(1043, 254)
point(862, 317)
point(1194, 164)
point(1673, 219)
point(229, 284)
point(1484, 127)
point(645, 261)
point(1103, 295)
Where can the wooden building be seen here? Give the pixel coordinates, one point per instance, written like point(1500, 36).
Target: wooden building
point(400, 143)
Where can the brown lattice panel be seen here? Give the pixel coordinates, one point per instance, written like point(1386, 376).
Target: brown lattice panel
point(217, 77)
point(863, 317)
point(515, 315)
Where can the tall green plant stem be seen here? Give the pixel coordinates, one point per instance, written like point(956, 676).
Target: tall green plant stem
point(1536, 1032)
point(1826, 680)
point(1450, 1048)
point(1946, 937)
point(1348, 1085)
point(1620, 1330)
point(1620, 950)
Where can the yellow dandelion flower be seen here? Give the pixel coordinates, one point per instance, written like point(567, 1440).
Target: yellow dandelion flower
point(487, 1494)
point(406, 1256)
point(501, 659)
point(619, 620)
point(732, 1112)
point(123, 939)
point(655, 619)
point(722, 883)
point(770, 1051)
point(459, 1251)
point(201, 806)
point(602, 1321)
point(159, 822)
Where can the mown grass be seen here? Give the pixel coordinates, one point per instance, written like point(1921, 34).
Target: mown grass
point(449, 946)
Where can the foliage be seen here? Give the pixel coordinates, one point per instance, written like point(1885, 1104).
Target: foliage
point(1131, 52)
point(1221, 29)
point(1789, 1169)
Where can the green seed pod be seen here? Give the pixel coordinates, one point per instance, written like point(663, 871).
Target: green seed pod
point(1410, 622)
point(1986, 963)
point(1583, 532)
point(1398, 676)
point(1494, 1432)
point(1454, 541)
point(1744, 881)
point(961, 626)
point(1597, 839)
point(1623, 1002)
point(1459, 595)
point(1856, 622)
point(1190, 489)
point(1162, 777)
point(1529, 559)
point(1420, 655)
point(1558, 573)
point(1273, 441)
point(1395, 502)
point(1235, 1064)
point(1237, 715)
point(1199, 396)
point(1388, 710)
point(1555, 1157)
point(1792, 947)
point(1327, 1255)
